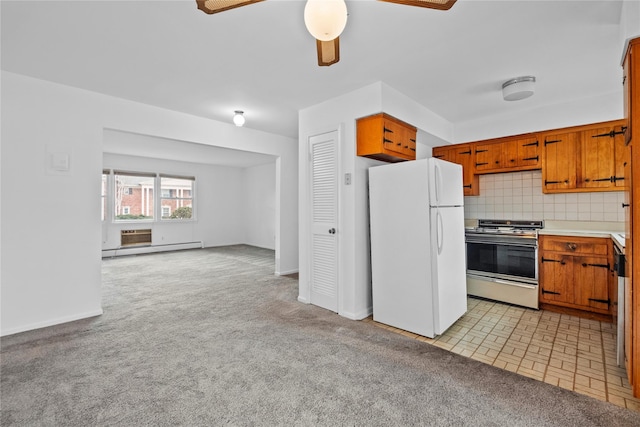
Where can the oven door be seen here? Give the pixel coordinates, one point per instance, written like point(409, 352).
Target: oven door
point(506, 258)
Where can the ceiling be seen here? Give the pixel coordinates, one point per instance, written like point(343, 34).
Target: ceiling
point(261, 59)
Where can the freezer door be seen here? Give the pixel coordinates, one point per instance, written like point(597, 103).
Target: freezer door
point(449, 273)
point(445, 183)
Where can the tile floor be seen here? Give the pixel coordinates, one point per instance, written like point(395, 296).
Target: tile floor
point(566, 351)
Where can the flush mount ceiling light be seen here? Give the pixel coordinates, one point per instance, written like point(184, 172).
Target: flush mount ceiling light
point(325, 19)
point(238, 118)
point(518, 88)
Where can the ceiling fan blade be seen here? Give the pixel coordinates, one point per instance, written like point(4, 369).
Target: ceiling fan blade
point(431, 4)
point(328, 52)
point(215, 6)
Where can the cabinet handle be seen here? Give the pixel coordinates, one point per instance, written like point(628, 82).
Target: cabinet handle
point(531, 144)
point(512, 160)
point(603, 301)
point(536, 158)
point(481, 164)
point(618, 178)
point(412, 149)
point(553, 141)
point(439, 156)
point(544, 291)
point(399, 144)
point(387, 130)
point(465, 152)
point(625, 205)
point(467, 186)
point(566, 181)
point(611, 134)
point(481, 151)
point(553, 260)
point(572, 246)
point(386, 141)
point(584, 264)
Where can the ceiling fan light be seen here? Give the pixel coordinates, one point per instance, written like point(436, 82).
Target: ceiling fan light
point(518, 88)
point(238, 118)
point(325, 19)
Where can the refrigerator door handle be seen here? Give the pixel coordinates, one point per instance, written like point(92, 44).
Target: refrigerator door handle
point(439, 231)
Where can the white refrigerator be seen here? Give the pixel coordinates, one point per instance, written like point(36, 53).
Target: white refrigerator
point(418, 261)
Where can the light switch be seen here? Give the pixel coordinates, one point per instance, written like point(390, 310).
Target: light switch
point(60, 162)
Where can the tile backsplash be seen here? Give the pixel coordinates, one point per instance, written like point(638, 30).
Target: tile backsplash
point(519, 195)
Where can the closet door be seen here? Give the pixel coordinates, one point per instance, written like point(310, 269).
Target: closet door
point(324, 212)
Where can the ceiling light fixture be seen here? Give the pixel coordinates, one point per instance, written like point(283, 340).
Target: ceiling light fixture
point(518, 88)
point(325, 19)
point(238, 118)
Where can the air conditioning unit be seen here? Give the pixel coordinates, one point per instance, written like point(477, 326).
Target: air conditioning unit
point(140, 237)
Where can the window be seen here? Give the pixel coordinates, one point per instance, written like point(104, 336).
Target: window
point(103, 213)
point(176, 197)
point(133, 196)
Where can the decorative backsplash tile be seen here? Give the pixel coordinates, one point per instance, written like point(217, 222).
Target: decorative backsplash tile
point(519, 196)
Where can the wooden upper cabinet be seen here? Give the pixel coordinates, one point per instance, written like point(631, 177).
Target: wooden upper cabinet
point(596, 160)
point(559, 162)
point(627, 83)
point(510, 154)
point(383, 137)
point(489, 157)
point(461, 154)
point(528, 152)
point(584, 158)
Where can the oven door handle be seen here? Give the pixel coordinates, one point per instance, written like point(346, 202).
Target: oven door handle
point(533, 244)
point(520, 285)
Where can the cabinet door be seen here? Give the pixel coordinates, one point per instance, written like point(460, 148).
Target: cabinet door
point(393, 135)
point(559, 162)
point(528, 152)
point(596, 158)
point(464, 156)
point(557, 278)
point(444, 153)
point(626, 92)
point(621, 159)
point(591, 275)
point(489, 157)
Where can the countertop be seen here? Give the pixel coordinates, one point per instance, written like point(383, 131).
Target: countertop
point(613, 230)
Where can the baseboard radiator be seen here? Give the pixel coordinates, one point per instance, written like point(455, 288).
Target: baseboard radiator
point(140, 237)
point(147, 249)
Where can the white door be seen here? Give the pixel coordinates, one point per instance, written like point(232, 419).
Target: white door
point(324, 213)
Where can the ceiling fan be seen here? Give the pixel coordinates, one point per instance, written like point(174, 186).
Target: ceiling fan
point(325, 20)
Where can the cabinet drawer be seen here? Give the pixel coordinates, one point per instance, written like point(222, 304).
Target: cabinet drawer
point(578, 245)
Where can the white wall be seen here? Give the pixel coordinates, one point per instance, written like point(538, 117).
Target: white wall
point(50, 275)
point(232, 205)
point(354, 276)
point(629, 21)
point(259, 193)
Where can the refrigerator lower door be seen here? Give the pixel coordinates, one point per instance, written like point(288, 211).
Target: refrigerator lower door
point(449, 266)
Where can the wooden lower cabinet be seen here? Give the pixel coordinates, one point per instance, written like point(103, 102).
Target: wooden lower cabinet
point(577, 272)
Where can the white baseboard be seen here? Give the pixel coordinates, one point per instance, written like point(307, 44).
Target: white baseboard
point(359, 315)
point(51, 322)
point(284, 273)
point(135, 250)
